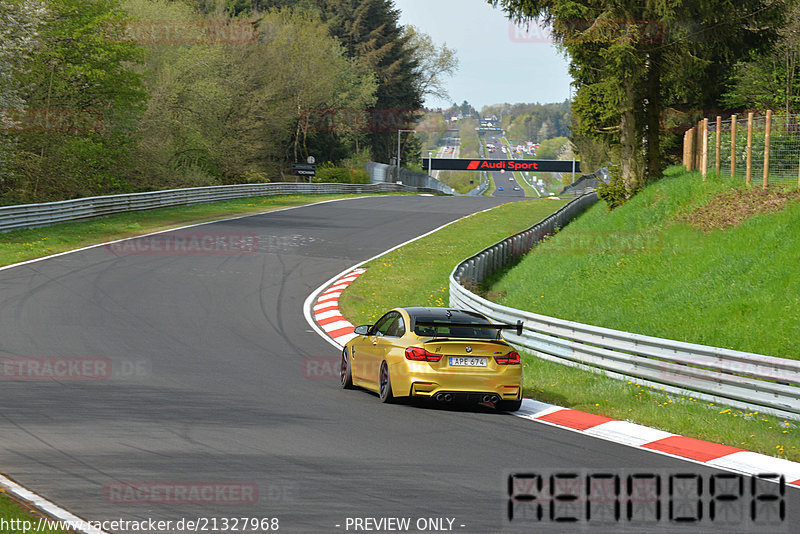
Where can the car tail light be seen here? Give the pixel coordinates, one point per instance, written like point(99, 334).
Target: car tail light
point(418, 354)
point(512, 358)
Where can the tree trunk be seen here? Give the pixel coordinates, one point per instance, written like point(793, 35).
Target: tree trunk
point(653, 121)
point(630, 141)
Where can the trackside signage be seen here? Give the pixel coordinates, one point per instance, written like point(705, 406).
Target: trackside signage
point(540, 165)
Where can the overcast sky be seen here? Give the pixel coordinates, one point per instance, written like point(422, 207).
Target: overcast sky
point(497, 63)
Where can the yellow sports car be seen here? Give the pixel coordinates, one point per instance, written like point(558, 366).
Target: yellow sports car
point(437, 353)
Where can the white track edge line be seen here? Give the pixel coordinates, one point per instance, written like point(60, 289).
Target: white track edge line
point(60, 514)
point(89, 247)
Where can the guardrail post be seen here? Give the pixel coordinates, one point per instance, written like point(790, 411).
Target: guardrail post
point(767, 136)
point(733, 146)
point(718, 143)
point(749, 163)
point(704, 158)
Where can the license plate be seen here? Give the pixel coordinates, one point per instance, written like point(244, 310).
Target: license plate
point(460, 361)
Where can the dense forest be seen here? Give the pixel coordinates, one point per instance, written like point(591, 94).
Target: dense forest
point(112, 96)
point(531, 122)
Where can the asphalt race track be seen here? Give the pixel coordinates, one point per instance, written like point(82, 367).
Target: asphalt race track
point(217, 379)
point(506, 180)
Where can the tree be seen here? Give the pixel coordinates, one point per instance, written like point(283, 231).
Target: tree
point(770, 80)
point(371, 34)
point(433, 63)
point(407, 65)
point(550, 148)
point(319, 75)
point(237, 112)
point(19, 27)
point(87, 97)
point(546, 131)
point(532, 122)
point(628, 57)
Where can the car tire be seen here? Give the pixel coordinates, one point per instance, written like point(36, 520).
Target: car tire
point(345, 372)
point(385, 385)
point(509, 405)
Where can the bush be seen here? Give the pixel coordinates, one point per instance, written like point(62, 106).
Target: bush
point(549, 148)
point(341, 175)
point(613, 192)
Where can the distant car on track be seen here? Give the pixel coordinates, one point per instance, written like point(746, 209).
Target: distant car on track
point(435, 353)
point(500, 188)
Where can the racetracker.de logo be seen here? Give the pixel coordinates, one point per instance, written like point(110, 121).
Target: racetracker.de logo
point(322, 368)
point(589, 31)
point(181, 493)
point(589, 242)
point(181, 32)
point(329, 368)
point(186, 243)
point(50, 120)
point(55, 368)
point(351, 120)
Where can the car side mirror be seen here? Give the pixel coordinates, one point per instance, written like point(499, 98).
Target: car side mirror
point(362, 330)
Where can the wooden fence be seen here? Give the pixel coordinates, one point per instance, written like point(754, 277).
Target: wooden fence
point(756, 148)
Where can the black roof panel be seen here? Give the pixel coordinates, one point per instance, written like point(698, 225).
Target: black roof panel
point(445, 314)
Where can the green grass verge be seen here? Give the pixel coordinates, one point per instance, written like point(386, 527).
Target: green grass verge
point(15, 514)
point(22, 245)
point(685, 415)
point(491, 189)
point(523, 183)
point(419, 271)
point(459, 180)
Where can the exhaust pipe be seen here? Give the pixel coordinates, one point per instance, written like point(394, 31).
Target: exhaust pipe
point(443, 397)
point(490, 399)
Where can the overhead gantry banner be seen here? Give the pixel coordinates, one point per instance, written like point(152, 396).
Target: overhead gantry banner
point(539, 165)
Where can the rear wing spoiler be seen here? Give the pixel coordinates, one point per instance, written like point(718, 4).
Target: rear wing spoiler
point(517, 327)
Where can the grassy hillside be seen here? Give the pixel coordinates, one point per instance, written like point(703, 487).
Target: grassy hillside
point(677, 261)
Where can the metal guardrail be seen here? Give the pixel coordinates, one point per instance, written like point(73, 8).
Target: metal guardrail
point(740, 379)
point(45, 214)
point(478, 191)
point(477, 268)
point(586, 183)
point(382, 173)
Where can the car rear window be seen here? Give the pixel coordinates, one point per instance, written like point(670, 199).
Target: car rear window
point(462, 329)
